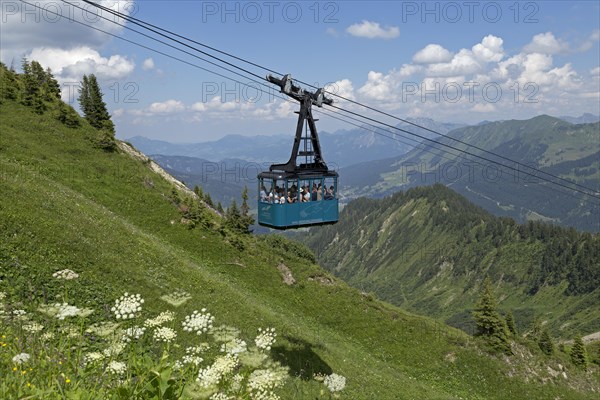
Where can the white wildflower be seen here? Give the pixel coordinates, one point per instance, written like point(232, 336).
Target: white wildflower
point(93, 357)
point(21, 358)
point(127, 306)
point(2, 295)
point(193, 360)
point(116, 367)
point(102, 328)
point(202, 347)
point(47, 336)
point(114, 349)
point(133, 333)
point(263, 380)
point(19, 313)
point(65, 310)
point(265, 338)
point(335, 382)
point(212, 375)
point(33, 327)
point(164, 334)
point(176, 298)
point(199, 322)
point(234, 346)
point(219, 396)
point(163, 317)
point(65, 274)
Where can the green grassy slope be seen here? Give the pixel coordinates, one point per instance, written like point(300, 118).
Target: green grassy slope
point(429, 249)
point(66, 204)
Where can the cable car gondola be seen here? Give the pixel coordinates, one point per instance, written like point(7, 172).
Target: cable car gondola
point(302, 192)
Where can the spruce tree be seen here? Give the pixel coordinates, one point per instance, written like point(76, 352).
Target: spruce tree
point(233, 218)
point(84, 97)
point(220, 208)
point(578, 353)
point(545, 343)
point(208, 200)
point(30, 90)
point(490, 326)
point(510, 323)
point(51, 86)
point(198, 191)
point(67, 115)
point(246, 219)
point(9, 87)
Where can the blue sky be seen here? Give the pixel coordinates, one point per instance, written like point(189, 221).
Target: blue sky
point(451, 61)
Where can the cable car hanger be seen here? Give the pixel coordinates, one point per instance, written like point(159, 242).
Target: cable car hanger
point(307, 100)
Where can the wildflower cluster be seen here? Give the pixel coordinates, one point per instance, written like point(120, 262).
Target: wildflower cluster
point(234, 346)
point(223, 366)
point(335, 383)
point(116, 367)
point(65, 310)
point(265, 338)
point(133, 333)
point(199, 322)
point(162, 318)
point(65, 274)
point(128, 306)
point(164, 334)
point(21, 358)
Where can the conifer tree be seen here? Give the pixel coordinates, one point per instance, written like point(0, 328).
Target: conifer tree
point(233, 218)
point(246, 219)
point(31, 90)
point(490, 326)
point(198, 191)
point(220, 208)
point(208, 200)
point(51, 87)
point(67, 115)
point(9, 87)
point(545, 343)
point(578, 353)
point(510, 323)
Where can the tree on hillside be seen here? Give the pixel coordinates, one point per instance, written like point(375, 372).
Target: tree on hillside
point(31, 92)
point(92, 104)
point(578, 353)
point(490, 326)
point(545, 343)
point(510, 323)
point(246, 219)
point(95, 112)
point(9, 86)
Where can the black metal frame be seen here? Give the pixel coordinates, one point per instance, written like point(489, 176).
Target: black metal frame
point(306, 99)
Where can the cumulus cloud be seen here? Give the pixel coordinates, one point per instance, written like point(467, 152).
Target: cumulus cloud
point(25, 27)
point(432, 53)
point(482, 79)
point(148, 64)
point(342, 88)
point(546, 43)
point(372, 30)
point(166, 107)
point(71, 64)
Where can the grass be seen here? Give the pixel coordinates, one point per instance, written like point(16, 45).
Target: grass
point(105, 216)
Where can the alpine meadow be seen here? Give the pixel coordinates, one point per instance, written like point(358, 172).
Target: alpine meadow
point(319, 200)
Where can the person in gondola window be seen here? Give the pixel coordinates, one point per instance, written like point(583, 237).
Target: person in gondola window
point(263, 194)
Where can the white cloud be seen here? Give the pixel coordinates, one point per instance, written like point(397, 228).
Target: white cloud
point(148, 64)
point(71, 64)
point(463, 63)
point(342, 88)
point(25, 27)
point(166, 107)
point(432, 53)
point(546, 43)
point(372, 30)
point(595, 71)
point(489, 50)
